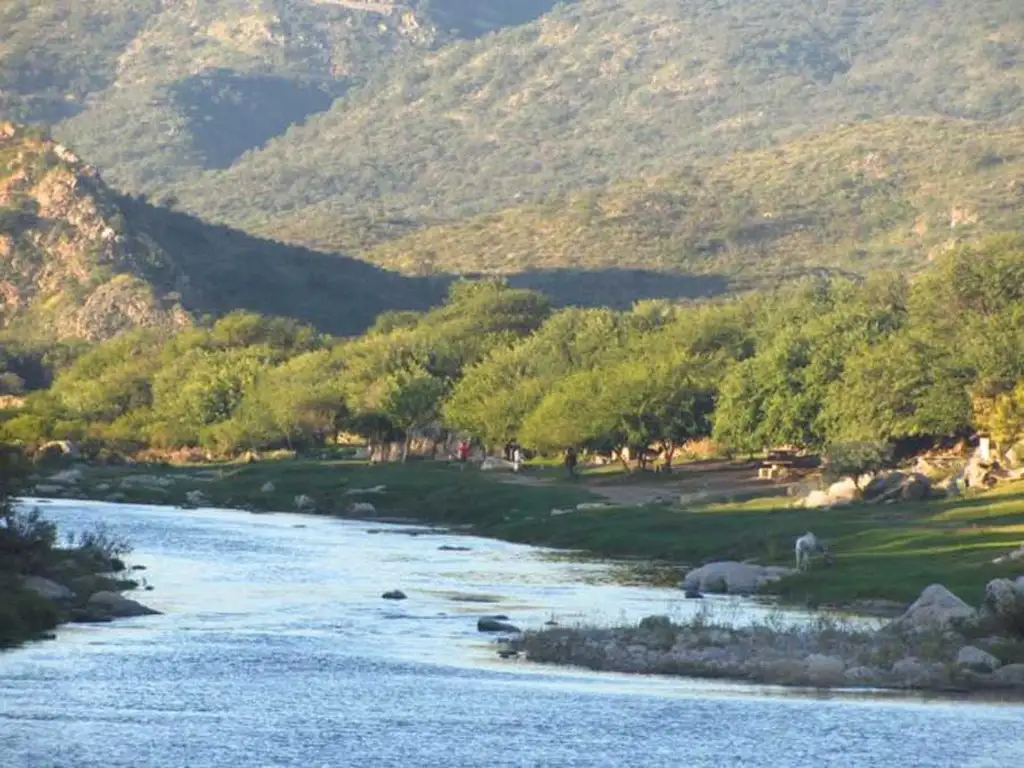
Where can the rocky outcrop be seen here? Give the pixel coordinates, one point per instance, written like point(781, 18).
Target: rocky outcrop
point(732, 577)
point(113, 605)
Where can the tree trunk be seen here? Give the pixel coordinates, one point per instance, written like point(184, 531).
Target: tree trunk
point(670, 451)
point(625, 462)
point(405, 449)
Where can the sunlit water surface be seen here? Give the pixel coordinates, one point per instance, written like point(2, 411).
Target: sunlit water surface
point(275, 649)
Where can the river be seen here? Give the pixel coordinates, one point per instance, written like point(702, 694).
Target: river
point(275, 649)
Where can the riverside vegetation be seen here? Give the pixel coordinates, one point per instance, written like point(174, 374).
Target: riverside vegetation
point(886, 363)
point(44, 582)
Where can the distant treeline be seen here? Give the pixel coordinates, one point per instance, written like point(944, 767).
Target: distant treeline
point(811, 364)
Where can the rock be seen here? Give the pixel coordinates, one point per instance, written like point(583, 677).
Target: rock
point(50, 590)
point(783, 672)
point(816, 500)
point(651, 623)
point(915, 487)
point(394, 594)
point(844, 491)
point(883, 484)
point(103, 487)
point(732, 577)
point(825, 670)
point(150, 482)
point(118, 606)
point(863, 676)
point(450, 548)
point(1003, 599)
point(268, 487)
point(116, 497)
point(494, 463)
point(196, 498)
point(71, 476)
point(936, 607)
point(375, 490)
point(976, 660)
point(494, 625)
point(363, 508)
point(304, 503)
point(560, 512)
point(588, 505)
point(693, 593)
point(915, 673)
point(1010, 675)
point(46, 489)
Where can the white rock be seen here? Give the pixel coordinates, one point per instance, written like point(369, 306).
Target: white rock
point(304, 503)
point(1003, 598)
point(844, 491)
point(492, 463)
point(50, 590)
point(560, 512)
point(732, 577)
point(268, 487)
point(363, 508)
point(816, 500)
point(977, 660)
point(375, 490)
point(591, 505)
point(196, 498)
point(936, 607)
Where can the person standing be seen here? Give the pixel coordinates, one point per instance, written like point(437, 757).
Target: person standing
point(571, 459)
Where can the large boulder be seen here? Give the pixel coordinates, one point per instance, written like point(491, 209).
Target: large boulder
point(843, 491)
point(914, 673)
point(1010, 675)
point(732, 578)
point(304, 503)
point(915, 487)
point(45, 588)
point(936, 607)
point(117, 606)
point(268, 487)
point(1004, 600)
point(976, 660)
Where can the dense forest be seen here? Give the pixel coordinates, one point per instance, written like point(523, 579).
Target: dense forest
point(820, 362)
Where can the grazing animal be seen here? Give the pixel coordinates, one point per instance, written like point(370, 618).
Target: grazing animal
point(808, 545)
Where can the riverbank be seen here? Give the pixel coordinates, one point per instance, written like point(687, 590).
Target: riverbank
point(882, 552)
point(82, 582)
point(961, 651)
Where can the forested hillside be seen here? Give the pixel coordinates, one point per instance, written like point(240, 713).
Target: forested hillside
point(888, 194)
point(78, 260)
point(605, 90)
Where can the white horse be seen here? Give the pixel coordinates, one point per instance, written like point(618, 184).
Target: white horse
point(807, 545)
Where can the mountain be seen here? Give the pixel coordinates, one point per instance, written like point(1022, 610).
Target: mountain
point(78, 260)
point(888, 194)
point(595, 92)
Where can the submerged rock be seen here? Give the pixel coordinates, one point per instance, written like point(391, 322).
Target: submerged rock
point(488, 624)
point(394, 594)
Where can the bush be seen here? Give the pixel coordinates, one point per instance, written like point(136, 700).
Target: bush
point(855, 459)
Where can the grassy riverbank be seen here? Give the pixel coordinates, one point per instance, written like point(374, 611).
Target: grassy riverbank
point(882, 551)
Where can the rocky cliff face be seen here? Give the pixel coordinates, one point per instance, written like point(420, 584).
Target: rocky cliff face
point(70, 264)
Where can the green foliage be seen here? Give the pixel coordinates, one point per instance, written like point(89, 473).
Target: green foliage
point(854, 459)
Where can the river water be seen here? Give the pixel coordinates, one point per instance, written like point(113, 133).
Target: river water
point(275, 649)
